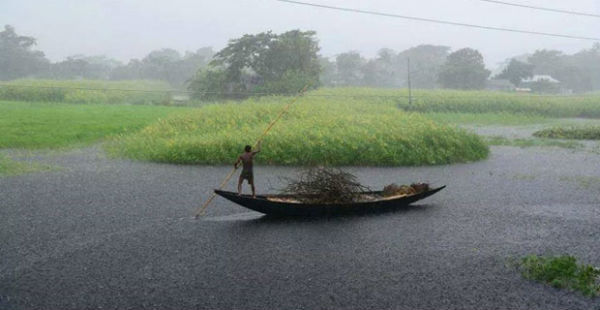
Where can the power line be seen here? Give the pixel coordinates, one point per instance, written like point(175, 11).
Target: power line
point(542, 8)
point(437, 21)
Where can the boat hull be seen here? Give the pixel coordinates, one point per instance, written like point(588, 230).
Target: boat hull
point(264, 205)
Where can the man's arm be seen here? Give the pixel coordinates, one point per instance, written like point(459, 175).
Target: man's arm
point(237, 162)
point(257, 148)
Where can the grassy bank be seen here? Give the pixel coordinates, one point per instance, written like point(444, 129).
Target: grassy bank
point(457, 101)
point(41, 125)
point(337, 131)
point(86, 91)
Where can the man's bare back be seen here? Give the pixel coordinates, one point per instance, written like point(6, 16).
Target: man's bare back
point(246, 159)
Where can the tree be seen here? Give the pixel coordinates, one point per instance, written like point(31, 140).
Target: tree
point(327, 76)
point(349, 68)
point(464, 69)
point(426, 62)
point(547, 62)
point(516, 71)
point(80, 66)
point(381, 70)
point(165, 64)
point(267, 62)
point(588, 60)
point(17, 58)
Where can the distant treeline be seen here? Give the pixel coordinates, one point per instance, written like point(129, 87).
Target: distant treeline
point(18, 59)
point(434, 66)
point(283, 63)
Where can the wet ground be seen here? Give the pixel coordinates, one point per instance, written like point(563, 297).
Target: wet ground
point(104, 233)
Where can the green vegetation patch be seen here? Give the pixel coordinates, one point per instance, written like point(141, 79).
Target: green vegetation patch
point(562, 272)
point(43, 125)
point(86, 91)
point(316, 130)
point(520, 142)
point(461, 101)
point(12, 167)
point(501, 118)
point(573, 132)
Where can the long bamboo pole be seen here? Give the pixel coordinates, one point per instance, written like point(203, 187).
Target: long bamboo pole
point(201, 210)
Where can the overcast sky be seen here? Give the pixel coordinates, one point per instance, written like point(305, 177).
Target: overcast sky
point(128, 29)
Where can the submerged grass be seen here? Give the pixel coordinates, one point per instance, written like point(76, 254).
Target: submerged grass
point(42, 125)
point(562, 272)
point(484, 119)
point(9, 167)
point(522, 142)
point(317, 130)
point(572, 132)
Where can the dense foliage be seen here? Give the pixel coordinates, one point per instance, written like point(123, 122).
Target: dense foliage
point(17, 57)
point(261, 63)
point(516, 71)
point(165, 64)
point(277, 64)
point(316, 130)
point(464, 69)
point(388, 69)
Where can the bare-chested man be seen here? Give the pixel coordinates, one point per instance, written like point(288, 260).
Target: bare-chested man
point(246, 160)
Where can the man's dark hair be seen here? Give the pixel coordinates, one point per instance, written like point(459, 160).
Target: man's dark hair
point(247, 148)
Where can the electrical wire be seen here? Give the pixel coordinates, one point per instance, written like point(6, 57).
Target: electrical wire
point(437, 21)
point(542, 8)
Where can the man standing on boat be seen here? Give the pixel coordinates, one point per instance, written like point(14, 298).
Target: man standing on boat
point(246, 160)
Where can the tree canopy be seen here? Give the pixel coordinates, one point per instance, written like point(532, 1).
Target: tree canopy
point(17, 57)
point(516, 71)
point(464, 69)
point(264, 62)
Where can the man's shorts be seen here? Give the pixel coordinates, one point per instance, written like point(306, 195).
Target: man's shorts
point(247, 175)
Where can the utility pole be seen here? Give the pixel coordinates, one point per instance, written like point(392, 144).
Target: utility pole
point(409, 86)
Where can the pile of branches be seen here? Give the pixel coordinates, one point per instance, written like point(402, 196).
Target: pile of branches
point(325, 185)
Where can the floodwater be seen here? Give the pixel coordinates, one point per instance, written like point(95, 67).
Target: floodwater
point(120, 234)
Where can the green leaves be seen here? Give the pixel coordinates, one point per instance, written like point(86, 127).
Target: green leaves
point(562, 272)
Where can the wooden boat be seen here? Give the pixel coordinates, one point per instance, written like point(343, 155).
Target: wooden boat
point(287, 205)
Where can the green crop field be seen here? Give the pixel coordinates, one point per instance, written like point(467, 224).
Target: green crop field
point(317, 130)
point(339, 126)
point(43, 125)
point(86, 91)
point(457, 101)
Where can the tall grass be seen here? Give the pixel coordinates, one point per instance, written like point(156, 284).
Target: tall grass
point(86, 91)
point(457, 101)
point(317, 130)
point(42, 125)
